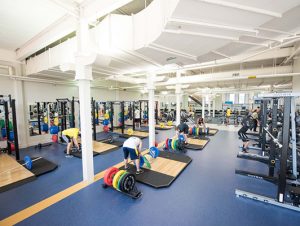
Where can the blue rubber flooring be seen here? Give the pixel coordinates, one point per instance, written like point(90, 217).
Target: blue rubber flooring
point(202, 195)
point(68, 173)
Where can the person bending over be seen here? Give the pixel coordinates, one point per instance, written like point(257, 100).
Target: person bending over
point(242, 132)
point(183, 129)
point(201, 123)
point(70, 137)
point(133, 147)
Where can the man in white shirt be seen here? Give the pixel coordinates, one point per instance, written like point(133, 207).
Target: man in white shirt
point(137, 118)
point(133, 147)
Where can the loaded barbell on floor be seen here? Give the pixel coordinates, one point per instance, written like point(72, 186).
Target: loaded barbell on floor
point(122, 181)
point(27, 163)
point(110, 139)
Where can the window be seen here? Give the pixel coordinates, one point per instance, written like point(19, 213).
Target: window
point(232, 97)
point(242, 98)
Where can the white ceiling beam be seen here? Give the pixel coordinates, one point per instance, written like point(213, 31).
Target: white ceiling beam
point(70, 9)
point(252, 43)
point(174, 50)
point(262, 37)
point(275, 31)
point(95, 9)
point(221, 54)
point(142, 57)
point(291, 56)
point(213, 25)
point(243, 7)
point(171, 51)
point(184, 32)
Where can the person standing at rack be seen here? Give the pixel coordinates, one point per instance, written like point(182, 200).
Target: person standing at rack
point(228, 114)
point(137, 118)
point(255, 119)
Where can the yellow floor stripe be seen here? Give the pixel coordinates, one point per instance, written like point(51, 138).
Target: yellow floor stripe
point(34, 209)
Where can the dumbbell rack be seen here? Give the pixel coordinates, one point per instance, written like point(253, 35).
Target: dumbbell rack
point(134, 193)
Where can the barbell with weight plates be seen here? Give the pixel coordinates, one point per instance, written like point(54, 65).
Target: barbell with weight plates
point(119, 179)
point(27, 163)
point(110, 139)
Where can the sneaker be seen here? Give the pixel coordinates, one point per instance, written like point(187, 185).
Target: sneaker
point(69, 156)
point(245, 151)
point(139, 172)
point(126, 168)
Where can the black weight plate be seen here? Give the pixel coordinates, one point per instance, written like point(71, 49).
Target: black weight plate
point(128, 183)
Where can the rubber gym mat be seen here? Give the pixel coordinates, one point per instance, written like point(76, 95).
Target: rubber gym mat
point(145, 130)
point(194, 147)
point(78, 154)
point(175, 156)
point(41, 166)
point(127, 136)
point(116, 143)
point(152, 178)
point(157, 179)
point(198, 137)
point(160, 128)
point(213, 132)
point(16, 184)
point(12, 173)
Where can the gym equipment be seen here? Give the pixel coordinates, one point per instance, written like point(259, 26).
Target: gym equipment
point(121, 181)
point(54, 138)
point(154, 152)
point(130, 132)
point(275, 140)
point(34, 165)
point(170, 144)
point(162, 173)
point(54, 130)
point(169, 123)
point(106, 129)
point(283, 187)
point(105, 122)
point(109, 175)
point(106, 116)
point(117, 177)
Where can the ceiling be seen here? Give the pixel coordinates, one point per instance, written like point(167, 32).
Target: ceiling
point(22, 20)
point(199, 32)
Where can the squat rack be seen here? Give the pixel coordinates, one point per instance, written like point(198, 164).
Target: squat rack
point(282, 186)
point(10, 103)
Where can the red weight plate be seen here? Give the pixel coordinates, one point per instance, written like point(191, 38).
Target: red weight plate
point(167, 143)
point(109, 175)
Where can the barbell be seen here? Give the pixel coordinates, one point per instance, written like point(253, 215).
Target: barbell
point(27, 163)
point(275, 140)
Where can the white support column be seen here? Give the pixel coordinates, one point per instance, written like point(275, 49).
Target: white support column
point(214, 107)
point(151, 106)
point(209, 103)
point(178, 98)
point(203, 106)
point(84, 59)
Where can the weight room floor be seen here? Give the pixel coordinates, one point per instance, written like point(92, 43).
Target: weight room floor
point(202, 194)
